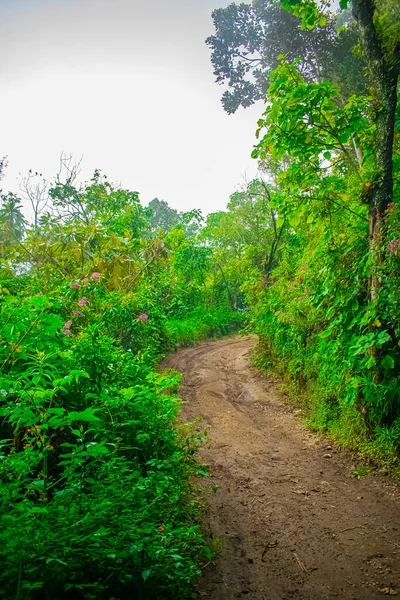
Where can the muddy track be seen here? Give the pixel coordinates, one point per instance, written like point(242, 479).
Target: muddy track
point(291, 522)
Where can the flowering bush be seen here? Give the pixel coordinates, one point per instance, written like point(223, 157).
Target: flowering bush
point(394, 247)
point(83, 301)
point(95, 499)
point(96, 472)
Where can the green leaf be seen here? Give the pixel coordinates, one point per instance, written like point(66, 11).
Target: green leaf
point(94, 449)
point(387, 362)
point(280, 221)
point(325, 334)
point(202, 473)
point(146, 574)
point(382, 338)
point(49, 560)
point(86, 415)
point(294, 220)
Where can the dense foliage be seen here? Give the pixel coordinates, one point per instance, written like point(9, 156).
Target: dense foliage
point(313, 244)
point(95, 500)
point(249, 38)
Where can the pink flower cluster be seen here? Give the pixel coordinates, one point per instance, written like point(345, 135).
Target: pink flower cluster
point(143, 317)
point(83, 301)
point(66, 328)
point(393, 247)
point(95, 276)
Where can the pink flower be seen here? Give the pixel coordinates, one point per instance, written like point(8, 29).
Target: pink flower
point(95, 275)
point(74, 286)
point(85, 280)
point(83, 301)
point(303, 268)
point(67, 331)
point(67, 325)
point(143, 317)
point(393, 246)
point(277, 313)
point(77, 313)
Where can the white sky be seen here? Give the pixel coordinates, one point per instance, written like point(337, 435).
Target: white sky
point(128, 84)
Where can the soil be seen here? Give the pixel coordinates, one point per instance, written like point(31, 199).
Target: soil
point(285, 510)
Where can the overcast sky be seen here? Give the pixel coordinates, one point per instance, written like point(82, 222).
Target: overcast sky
point(128, 84)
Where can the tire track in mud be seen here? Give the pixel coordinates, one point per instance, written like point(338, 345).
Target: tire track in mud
point(291, 523)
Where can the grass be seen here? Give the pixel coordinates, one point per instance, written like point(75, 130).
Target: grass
point(203, 324)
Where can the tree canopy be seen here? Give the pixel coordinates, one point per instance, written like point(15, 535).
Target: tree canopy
point(162, 215)
point(249, 38)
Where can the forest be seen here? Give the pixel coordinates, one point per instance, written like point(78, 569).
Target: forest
point(98, 474)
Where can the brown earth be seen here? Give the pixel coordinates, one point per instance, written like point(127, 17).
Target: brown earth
point(289, 520)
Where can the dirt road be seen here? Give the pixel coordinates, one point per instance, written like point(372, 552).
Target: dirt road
point(291, 522)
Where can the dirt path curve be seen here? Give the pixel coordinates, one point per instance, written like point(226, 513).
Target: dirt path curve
point(292, 524)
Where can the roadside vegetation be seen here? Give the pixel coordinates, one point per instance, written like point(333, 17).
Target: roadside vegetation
point(95, 496)
point(313, 244)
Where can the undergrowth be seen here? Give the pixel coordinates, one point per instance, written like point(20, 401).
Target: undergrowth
point(204, 324)
point(95, 494)
point(96, 500)
point(324, 412)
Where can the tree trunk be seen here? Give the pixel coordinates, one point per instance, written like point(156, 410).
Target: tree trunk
point(383, 75)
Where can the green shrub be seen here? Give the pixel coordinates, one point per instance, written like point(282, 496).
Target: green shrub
point(202, 324)
point(95, 500)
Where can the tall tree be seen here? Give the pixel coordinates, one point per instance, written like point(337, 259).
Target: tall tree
point(34, 189)
point(12, 221)
point(245, 239)
point(379, 34)
point(162, 215)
